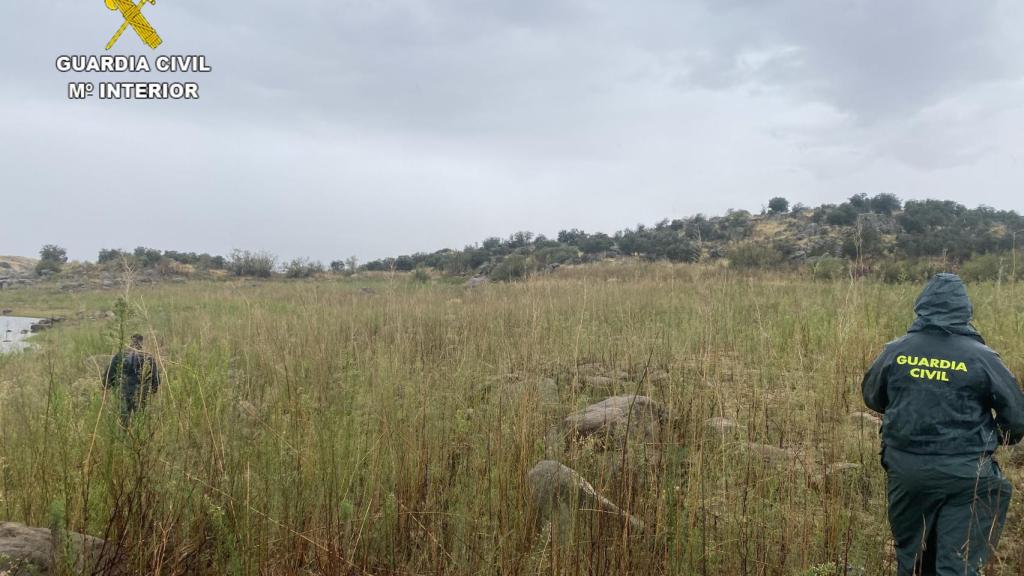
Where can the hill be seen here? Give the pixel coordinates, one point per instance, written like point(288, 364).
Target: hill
point(11, 265)
point(879, 235)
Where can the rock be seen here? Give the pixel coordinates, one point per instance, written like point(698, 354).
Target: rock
point(477, 281)
point(840, 469)
point(595, 369)
point(834, 473)
point(771, 454)
point(26, 550)
point(601, 382)
point(657, 376)
point(609, 417)
point(865, 419)
point(724, 426)
point(555, 486)
point(367, 291)
point(248, 411)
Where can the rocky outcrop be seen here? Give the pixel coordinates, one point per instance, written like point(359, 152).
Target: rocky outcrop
point(25, 550)
point(609, 417)
point(558, 489)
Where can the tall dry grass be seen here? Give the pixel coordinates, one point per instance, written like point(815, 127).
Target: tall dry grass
point(319, 428)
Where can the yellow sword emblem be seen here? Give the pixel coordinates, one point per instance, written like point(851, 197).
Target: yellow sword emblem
point(133, 17)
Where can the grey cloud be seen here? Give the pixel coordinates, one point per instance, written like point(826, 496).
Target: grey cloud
point(375, 128)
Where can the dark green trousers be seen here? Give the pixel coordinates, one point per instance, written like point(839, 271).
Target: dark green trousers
point(946, 512)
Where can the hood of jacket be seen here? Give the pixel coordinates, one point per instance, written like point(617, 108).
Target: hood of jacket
point(944, 305)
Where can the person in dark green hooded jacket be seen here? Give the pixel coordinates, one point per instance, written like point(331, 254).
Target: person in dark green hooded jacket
point(948, 402)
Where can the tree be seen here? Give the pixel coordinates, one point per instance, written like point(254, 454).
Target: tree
point(110, 255)
point(844, 215)
point(147, 257)
point(778, 205)
point(51, 259)
point(885, 204)
point(860, 202)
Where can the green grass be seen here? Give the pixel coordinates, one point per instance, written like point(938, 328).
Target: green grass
point(307, 427)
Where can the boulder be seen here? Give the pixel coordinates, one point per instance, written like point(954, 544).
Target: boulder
point(841, 469)
point(25, 550)
point(477, 281)
point(724, 426)
point(865, 419)
point(772, 454)
point(595, 369)
point(248, 411)
point(598, 382)
point(556, 487)
point(658, 376)
point(609, 417)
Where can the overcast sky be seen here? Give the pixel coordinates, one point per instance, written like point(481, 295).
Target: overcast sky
point(380, 127)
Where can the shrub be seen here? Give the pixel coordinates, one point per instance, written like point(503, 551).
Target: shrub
point(512, 267)
point(257, 264)
point(898, 271)
point(830, 268)
point(111, 255)
point(147, 257)
point(755, 255)
point(987, 267)
point(844, 215)
point(420, 275)
point(555, 255)
point(302, 268)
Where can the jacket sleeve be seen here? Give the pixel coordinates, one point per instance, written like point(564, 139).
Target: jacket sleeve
point(111, 377)
point(1007, 401)
point(875, 383)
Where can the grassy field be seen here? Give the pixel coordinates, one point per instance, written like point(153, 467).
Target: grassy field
point(379, 426)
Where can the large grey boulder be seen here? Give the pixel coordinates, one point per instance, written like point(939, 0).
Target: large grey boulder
point(556, 487)
point(724, 427)
point(610, 416)
point(866, 420)
point(25, 550)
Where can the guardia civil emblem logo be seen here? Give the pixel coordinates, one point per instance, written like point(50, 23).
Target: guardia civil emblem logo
point(132, 14)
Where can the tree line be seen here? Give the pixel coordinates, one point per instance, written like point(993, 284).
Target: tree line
point(879, 235)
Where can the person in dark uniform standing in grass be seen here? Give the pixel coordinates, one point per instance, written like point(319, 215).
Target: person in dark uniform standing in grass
point(948, 403)
point(136, 376)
